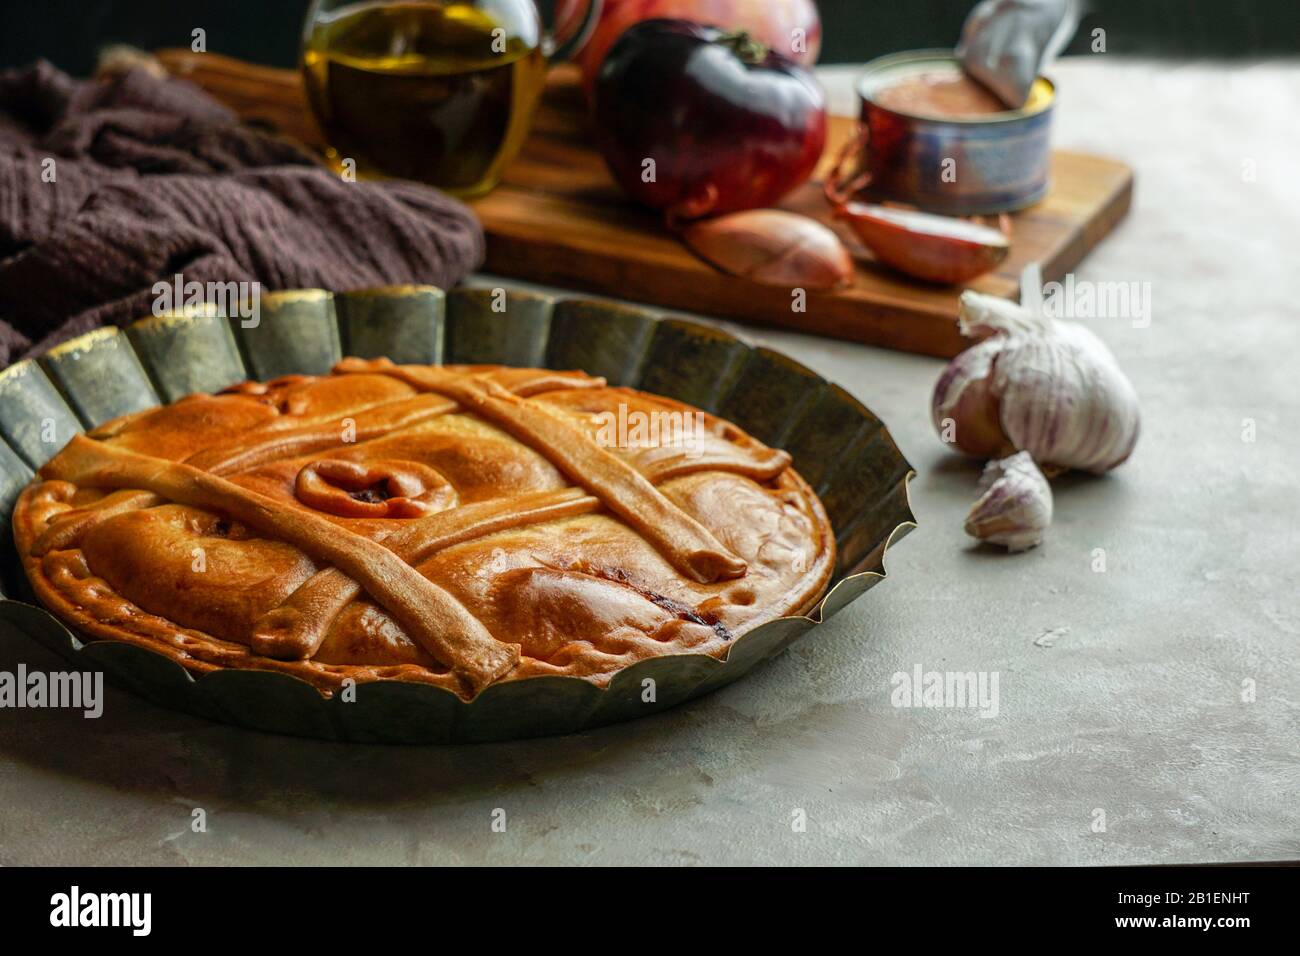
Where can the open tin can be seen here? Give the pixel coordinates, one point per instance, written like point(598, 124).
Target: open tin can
point(957, 165)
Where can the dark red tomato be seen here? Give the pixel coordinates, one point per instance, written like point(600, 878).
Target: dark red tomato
point(699, 122)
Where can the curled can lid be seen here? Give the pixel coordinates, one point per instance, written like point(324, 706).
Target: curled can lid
point(1005, 44)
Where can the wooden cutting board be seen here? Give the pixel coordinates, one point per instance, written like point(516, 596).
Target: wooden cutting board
point(558, 218)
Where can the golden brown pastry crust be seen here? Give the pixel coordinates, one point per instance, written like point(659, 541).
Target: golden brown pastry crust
point(453, 525)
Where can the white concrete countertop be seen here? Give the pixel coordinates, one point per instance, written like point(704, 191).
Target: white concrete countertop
point(1120, 693)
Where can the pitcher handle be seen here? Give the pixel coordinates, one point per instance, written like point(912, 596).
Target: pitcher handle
point(560, 53)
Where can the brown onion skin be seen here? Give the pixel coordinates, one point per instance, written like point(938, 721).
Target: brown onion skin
point(773, 247)
point(906, 241)
point(724, 134)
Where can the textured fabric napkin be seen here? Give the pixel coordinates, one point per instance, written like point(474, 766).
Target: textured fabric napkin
point(110, 185)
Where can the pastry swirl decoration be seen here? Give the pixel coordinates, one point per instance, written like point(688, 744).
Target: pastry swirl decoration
point(377, 489)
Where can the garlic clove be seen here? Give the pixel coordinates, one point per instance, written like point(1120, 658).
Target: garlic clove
point(1015, 507)
point(964, 408)
point(1065, 399)
point(773, 247)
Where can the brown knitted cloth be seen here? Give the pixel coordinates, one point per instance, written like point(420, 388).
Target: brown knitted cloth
point(152, 178)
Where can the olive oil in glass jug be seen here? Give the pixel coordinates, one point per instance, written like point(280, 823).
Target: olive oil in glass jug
point(441, 92)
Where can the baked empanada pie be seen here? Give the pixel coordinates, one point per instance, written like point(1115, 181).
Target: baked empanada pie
point(454, 525)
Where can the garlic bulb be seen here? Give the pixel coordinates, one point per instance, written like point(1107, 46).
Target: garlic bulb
point(1016, 506)
point(1035, 384)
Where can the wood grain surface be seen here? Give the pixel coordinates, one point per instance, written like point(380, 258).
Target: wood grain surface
point(558, 218)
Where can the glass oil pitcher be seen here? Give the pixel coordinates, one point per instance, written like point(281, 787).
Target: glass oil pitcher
point(441, 91)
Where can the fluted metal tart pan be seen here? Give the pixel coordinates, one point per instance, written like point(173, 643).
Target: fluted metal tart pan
point(838, 445)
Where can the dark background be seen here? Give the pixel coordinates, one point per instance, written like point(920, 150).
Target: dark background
point(70, 32)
